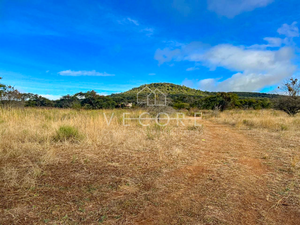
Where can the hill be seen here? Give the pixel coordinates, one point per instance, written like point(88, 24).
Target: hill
point(168, 89)
point(183, 94)
point(174, 92)
point(174, 89)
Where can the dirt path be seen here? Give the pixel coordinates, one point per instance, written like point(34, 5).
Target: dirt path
point(228, 184)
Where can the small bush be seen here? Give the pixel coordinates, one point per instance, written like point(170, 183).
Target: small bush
point(67, 133)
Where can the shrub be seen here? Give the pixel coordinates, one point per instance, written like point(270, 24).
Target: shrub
point(67, 133)
point(181, 105)
point(290, 103)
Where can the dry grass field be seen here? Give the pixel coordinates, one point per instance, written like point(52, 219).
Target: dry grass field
point(71, 167)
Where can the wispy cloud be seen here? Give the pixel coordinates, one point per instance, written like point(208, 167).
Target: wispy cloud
point(192, 68)
point(135, 22)
point(289, 30)
point(273, 42)
point(128, 20)
point(189, 83)
point(148, 31)
point(84, 73)
point(152, 74)
point(135, 25)
point(231, 8)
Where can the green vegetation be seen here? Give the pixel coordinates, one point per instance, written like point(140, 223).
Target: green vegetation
point(255, 95)
point(224, 101)
point(38, 101)
point(167, 88)
point(181, 97)
point(2, 88)
point(178, 97)
point(88, 100)
point(9, 96)
point(290, 103)
point(67, 133)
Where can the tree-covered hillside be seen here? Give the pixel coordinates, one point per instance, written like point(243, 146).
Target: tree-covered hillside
point(184, 97)
point(172, 91)
point(168, 88)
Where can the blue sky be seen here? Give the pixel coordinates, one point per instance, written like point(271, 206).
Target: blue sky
point(54, 48)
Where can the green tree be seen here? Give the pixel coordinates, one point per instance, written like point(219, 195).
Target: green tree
point(38, 101)
point(9, 96)
point(291, 102)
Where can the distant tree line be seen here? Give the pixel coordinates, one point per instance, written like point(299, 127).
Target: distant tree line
point(91, 100)
point(88, 100)
point(10, 96)
point(185, 98)
point(223, 101)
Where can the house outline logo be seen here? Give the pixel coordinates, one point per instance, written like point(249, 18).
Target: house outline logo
point(157, 94)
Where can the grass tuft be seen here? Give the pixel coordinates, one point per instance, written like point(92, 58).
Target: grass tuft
point(67, 133)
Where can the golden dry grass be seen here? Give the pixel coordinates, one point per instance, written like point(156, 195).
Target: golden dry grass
point(271, 120)
point(115, 174)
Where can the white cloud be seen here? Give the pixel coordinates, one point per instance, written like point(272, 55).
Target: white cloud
point(84, 73)
point(128, 21)
point(135, 22)
point(148, 31)
point(289, 30)
point(188, 83)
point(258, 68)
point(231, 8)
point(152, 74)
point(273, 42)
point(166, 55)
point(207, 84)
point(239, 58)
point(254, 67)
point(178, 51)
point(192, 68)
point(52, 97)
